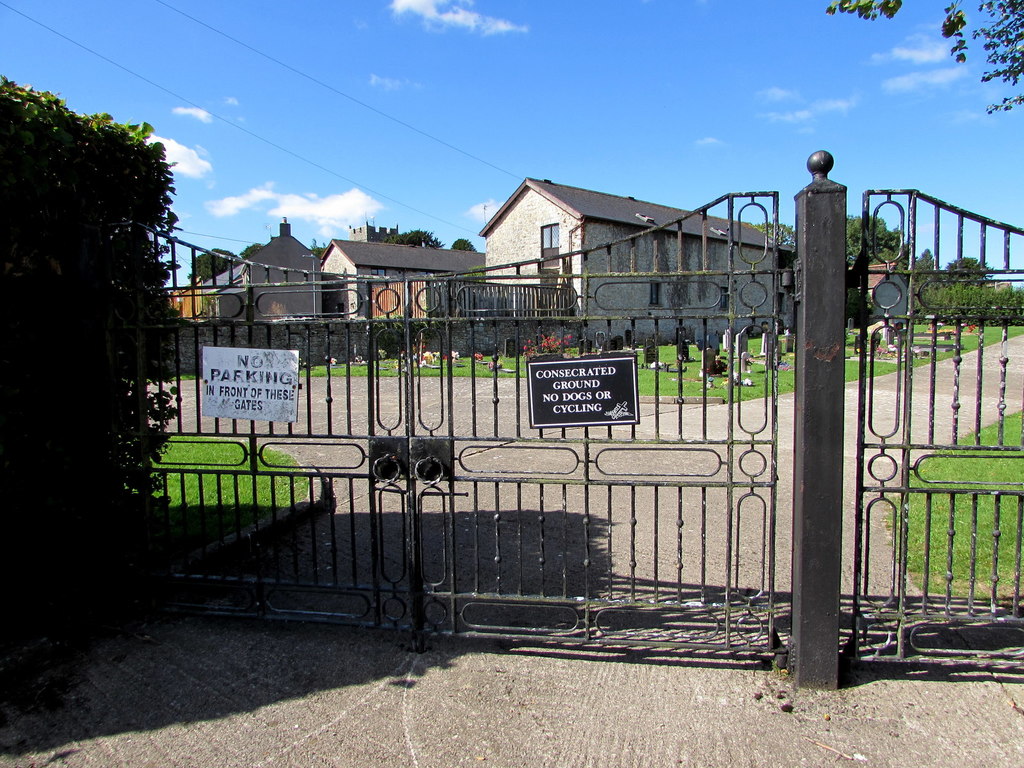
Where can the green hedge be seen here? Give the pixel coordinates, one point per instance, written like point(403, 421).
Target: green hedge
point(69, 464)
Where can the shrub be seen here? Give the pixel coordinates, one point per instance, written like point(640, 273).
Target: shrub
point(72, 382)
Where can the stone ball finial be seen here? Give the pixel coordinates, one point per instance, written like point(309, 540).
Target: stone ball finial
point(819, 164)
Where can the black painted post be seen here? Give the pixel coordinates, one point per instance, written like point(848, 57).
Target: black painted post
point(819, 414)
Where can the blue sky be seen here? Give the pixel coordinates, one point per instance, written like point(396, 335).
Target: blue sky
point(429, 113)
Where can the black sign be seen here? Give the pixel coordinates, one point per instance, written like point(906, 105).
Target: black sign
point(583, 391)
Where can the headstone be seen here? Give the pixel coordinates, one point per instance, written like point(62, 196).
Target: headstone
point(586, 346)
point(683, 351)
point(510, 348)
point(707, 361)
point(650, 352)
point(599, 339)
point(615, 344)
point(628, 337)
point(741, 344)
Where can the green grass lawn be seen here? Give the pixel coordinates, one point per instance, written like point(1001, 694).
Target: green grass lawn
point(670, 382)
point(207, 494)
point(964, 496)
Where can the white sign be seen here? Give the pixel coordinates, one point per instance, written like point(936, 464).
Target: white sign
point(257, 384)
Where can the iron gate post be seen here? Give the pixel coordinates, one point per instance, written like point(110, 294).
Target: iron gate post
point(818, 427)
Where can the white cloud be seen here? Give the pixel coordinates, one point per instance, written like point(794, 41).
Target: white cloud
point(482, 212)
point(453, 13)
point(186, 161)
point(796, 116)
point(229, 206)
point(775, 94)
point(708, 141)
point(199, 114)
point(805, 116)
point(231, 101)
point(918, 81)
point(919, 49)
point(331, 214)
point(834, 105)
point(390, 83)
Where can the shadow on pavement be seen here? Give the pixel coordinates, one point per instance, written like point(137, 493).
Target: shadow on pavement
point(168, 671)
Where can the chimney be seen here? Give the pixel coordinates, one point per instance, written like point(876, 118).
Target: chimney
point(286, 228)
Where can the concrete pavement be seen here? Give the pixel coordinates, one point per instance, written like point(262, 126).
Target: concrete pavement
point(188, 691)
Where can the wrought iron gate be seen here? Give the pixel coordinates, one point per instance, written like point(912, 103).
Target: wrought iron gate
point(939, 499)
point(421, 499)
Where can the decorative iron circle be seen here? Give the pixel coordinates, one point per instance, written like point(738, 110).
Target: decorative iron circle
point(388, 301)
point(883, 467)
point(429, 470)
point(753, 463)
point(435, 613)
point(753, 294)
point(387, 468)
point(887, 294)
point(394, 609)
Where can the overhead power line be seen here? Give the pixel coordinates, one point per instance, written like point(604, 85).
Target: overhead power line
point(334, 90)
point(231, 123)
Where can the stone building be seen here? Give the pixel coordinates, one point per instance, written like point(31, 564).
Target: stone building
point(626, 256)
point(374, 259)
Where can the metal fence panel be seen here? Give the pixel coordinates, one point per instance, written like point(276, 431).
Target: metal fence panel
point(939, 496)
point(412, 493)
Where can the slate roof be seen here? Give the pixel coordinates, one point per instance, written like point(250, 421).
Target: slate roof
point(588, 204)
point(409, 258)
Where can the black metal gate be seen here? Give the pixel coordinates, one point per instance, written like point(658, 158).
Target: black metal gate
point(939, 498)
point(412, 492)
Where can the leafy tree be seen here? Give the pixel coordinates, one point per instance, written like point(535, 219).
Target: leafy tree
point(785, 234)
point(967, 269)
point(1003, 36)
point(210, 263)
point(419, 237)
point(250, 250)
point(316, 249)
point(924, 262)
point(462, 244)
point(884, 245)
point(73, 383)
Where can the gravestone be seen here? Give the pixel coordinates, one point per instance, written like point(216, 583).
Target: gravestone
point(707, 361)
point(510, 348)
point(650, 352)
point(615, 344)
point(742, 344)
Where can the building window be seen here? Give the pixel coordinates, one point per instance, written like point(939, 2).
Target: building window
point(655, 299)
point(378, 272)
point(549, 241)
point(723, 298)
